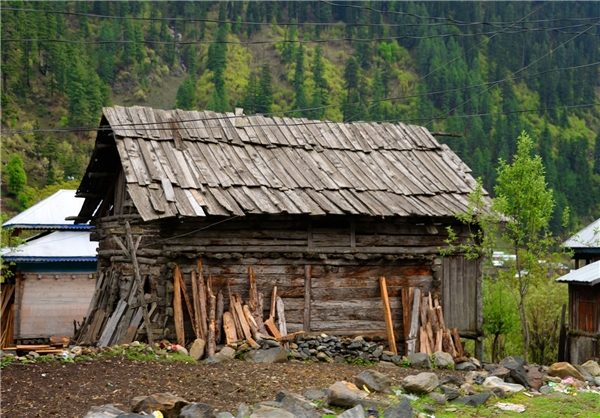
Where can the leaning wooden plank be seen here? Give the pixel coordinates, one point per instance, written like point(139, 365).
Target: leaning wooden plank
point(251, 322)
point(281, 317)
point(387, 315)
point(457, 343)
point(254, 302)
point(272, 328)
point(186, 298)
point(220, 309)
point(406, 305)
point(236, 322)
point(447, 344)
point(178, 311)
point(414, 322)
point(242, 319)
point(95, 326)
point(129, 335)
point(202, 292)
point(111, 325)
point(273, 303)
point(212, 321)
point(229, 328)
point(7, 292)
point(197, 307)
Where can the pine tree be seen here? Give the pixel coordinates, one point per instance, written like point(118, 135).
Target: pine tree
point(17, 179)
point(320, 96)
point(186, 94)
point(300, 101)
point(264, 97)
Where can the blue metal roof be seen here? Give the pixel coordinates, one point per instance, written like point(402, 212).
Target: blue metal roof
point(49, 259)
point(50, 227)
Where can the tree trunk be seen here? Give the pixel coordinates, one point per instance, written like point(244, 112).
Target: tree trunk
point(523, 317)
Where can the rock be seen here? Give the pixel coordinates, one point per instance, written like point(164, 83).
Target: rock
point(315, 394)
point(475, 362)
point(357, 412)
point(345, 394)
point(180, 349)
point(534, 378)
point(586, 376)
point(499, 392)
point(197, 349)
point(226, 353)
point(442, 360)
point(131, 415)
point(225, 415)
point(105, 411)
point(517, 371)
point(400, 410)
point(500, 371)
point(170, 405)
point(563, 370)
point(243, 411)
point(468, 389)
point(34, 354)
point(272, 355)
point(264, 411)
point(592, 367)
point(374, 381)
point(298, 405)
point(597, 380)
point(421, 383)
point(474, 400)
point(450, 393)
point(197, 410)
point(452, 379)
point(438, 398)
point(544, 390)
point(474, 377)
point(420, 360)
point(324, 357)
point(496, 382)
point(465, 365)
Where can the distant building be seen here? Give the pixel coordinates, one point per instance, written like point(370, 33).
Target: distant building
point(54, 270)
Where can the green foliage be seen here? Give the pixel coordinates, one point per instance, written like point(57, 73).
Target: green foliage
point(5, 361)
point(17, 179)
point(501, 317)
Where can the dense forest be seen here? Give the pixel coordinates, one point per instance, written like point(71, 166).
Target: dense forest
point(483, 70)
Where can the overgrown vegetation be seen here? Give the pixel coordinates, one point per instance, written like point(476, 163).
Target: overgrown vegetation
point(523, 296)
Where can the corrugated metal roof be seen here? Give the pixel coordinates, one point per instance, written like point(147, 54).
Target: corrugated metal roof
point(50, 213)
point(588, 237)
point(56, 246)
point(589, 274)
point(189, 163)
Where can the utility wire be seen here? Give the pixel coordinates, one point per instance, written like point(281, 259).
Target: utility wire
point(447, 21)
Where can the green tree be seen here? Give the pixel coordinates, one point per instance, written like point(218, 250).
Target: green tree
point(300, 101)
point(523, 197)
point(320, 96)
point(186, 94)
point(264, 97)
point(17, 179)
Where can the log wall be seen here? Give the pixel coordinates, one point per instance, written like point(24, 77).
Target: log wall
point(326, 269)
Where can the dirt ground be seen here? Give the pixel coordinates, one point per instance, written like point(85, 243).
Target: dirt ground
point(70, 390)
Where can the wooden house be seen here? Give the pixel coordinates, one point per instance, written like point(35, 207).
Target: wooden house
point(583, 336)
point(53, 271)
point(321, 210)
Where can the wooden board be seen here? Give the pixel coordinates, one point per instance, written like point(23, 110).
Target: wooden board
point(387, 314)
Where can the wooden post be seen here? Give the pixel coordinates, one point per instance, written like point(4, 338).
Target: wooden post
point(414, 322)
point(307, 296)
point(177, 312)
point(18, 303)
point(229, 328)
point(562, 338)
point(281, 317)
point(387, 314)
point(202, 292)
point(220, 309)
point(186, 298)
point(136, 273)
point(197, 307)
point(212, 322)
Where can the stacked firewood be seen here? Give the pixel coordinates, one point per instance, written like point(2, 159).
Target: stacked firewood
point(7, 314)
point(424, 326)
point(241, 322)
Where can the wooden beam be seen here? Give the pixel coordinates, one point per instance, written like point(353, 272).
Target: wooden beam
point(387, 315)
point(177, 313)
point(99, 175)
point(307, 296)
point(186, 298)
point(18, 303)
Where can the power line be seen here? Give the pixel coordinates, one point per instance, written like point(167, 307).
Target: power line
point(446, 21)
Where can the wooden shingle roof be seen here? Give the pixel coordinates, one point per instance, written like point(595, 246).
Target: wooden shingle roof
point(192, 163)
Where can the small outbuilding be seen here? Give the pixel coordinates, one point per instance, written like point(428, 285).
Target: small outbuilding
point(53, 271)
point(321, 210)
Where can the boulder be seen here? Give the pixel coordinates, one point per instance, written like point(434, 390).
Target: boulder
point(357, 412)
point(225, 415)
point(197, 349)
point(264, 411)
point(535, 378)
point(272, 355)
point(226, 353)
point(500, 371)
point(345, 394)
point(400, 410)
point(421, 383)
point(563, 370)
point(243, 411)
point(465, 365)
point(438, 398)
point(374, 381)
point(474, 400)
point(592, 367)
point(450, 393)
point(496, 382)
point(197, 410)
point(315, 394)
point(452, 379)
point(443, 360)
point(517, 371)
point(420, 360)
point(170, 405)
point(587, 377)
point(105, 411)
point(597, 380)
point(297, 405)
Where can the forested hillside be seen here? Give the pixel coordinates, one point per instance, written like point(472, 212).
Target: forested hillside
point(484, 70)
